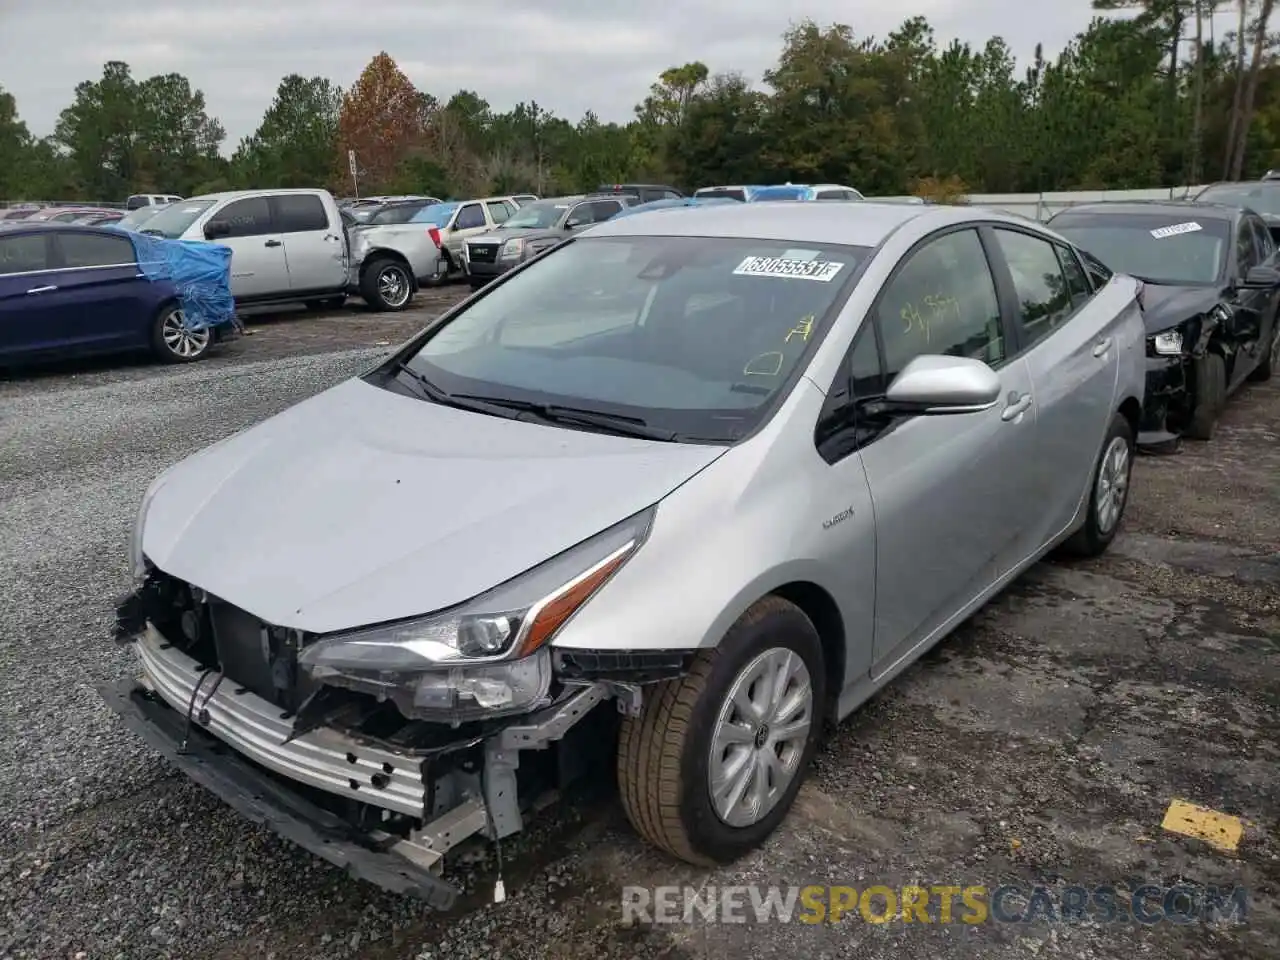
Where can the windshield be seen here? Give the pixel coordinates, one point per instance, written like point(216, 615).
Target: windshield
point(727, 193)
point(400, 213)
point(691, 335)
point(542, 215)
point(436, 214)
point(1156, 247)
point(172, 221)
point(1259, 197)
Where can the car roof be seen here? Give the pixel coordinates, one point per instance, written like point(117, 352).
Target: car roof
point(865, 224)
point(1172, 208)
point(238, 194)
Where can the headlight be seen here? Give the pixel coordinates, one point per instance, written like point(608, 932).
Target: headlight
point(512, 249)
point(137, 561)
point(1168, 342)
point(486, 656)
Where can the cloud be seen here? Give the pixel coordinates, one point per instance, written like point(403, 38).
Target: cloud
point(569, 55)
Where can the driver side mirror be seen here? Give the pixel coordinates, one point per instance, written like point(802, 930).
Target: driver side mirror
point(217, 228)
point(573, 223)
point(1260, 278)
point(934, 385)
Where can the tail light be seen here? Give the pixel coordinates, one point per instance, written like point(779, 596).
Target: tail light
point(434, 234)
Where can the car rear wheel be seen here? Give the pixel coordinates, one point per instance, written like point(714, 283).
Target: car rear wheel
point(1210, 396)
point(175, 340)
point(386, 285)
point(1109, 494)
point(712, 764)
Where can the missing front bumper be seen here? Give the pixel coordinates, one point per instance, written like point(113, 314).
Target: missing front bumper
point(258, 797)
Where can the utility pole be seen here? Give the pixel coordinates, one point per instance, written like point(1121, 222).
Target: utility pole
point(537, 142)
point(355, 181)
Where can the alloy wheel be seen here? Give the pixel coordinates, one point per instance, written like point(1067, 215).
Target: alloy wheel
point(181, 338)
point(393, 286)
point(1113, 484)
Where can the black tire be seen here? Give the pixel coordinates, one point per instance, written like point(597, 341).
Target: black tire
point(664, 754)
point(172, 347)
point(1210, 396)
point(1096, 535)
point(380, 291)
point(1270, 358)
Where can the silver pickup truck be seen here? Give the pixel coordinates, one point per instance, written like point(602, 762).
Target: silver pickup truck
point(390, 261)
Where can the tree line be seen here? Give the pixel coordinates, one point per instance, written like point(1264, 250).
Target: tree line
point(1149, 99)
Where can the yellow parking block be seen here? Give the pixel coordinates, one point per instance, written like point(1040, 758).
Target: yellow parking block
point(1220, 830)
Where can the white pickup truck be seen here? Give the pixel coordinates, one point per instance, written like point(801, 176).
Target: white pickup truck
point(288, 246)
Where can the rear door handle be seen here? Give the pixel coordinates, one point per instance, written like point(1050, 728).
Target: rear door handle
point(273, 243)
point(42, 290)
point(1017, 406)
point(1102, 346)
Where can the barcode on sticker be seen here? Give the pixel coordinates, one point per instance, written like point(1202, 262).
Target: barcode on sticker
point(1176, 230)
point(823, 271)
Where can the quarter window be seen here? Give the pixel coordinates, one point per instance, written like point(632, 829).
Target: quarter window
point(1044, 299)
point(1077, 282)
point(300, 213)
point(831, 195)
point(942, 301)
point(498, 211)
point(95, 250)
point(23, 254)
point(250, 217)
point(469, 217)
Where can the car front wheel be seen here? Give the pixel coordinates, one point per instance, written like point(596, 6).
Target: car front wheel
point(175, 340)
point(712, 764)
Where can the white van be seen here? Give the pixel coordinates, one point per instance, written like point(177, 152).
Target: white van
point(149, 200)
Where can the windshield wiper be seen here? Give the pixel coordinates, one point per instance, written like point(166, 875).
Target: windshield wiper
point(443, 397)
point(616, 423)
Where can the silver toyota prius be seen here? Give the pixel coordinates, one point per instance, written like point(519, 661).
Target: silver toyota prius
point(667, 498)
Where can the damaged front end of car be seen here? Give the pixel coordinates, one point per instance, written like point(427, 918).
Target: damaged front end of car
point(1173, 364)
point(381, 749)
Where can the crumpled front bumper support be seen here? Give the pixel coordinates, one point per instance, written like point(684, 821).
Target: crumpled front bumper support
point(260, 798)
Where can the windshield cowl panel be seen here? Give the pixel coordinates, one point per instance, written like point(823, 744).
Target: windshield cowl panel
point(696, 338)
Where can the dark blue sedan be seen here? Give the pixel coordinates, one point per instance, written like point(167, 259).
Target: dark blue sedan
point(70, 290)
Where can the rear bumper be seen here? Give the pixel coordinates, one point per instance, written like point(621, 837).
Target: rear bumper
point(262, 799)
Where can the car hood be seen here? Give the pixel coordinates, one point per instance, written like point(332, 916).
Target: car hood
point(1166, 305)
point(361, 505)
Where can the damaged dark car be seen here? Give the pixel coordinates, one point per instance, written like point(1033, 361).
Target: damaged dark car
point(1210, 296)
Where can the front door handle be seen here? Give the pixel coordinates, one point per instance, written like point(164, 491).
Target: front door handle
point(42, 290)
point(273, 243)
point(1018, 405)
point(1102, 346)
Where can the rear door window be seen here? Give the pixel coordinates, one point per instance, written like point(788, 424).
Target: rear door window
point(299, 213)
point(498, 211)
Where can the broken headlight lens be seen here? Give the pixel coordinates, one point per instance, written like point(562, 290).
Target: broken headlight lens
point(486, 654)
point(1167, 343)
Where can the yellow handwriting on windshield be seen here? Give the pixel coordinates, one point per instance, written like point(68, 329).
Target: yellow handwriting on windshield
point(938, 309)
point(803, 329)
point(766, 365)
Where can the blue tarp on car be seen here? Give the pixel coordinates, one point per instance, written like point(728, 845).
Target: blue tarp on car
point(199, 271)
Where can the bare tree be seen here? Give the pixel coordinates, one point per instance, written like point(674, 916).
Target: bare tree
point(1237, 96)
point(1202, 7)
point(1251, 88)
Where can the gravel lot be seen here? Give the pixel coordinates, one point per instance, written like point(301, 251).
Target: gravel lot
point(1042, 742)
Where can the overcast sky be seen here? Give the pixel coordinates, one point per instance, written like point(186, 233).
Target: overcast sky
point(569, 55)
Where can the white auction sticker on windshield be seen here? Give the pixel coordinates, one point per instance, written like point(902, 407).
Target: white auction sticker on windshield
point(1176, 230)
point(823, 271)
